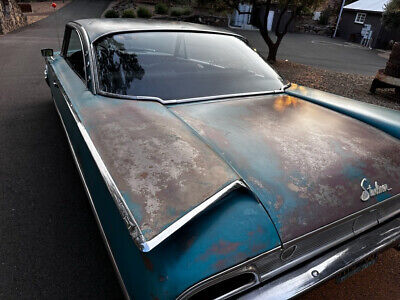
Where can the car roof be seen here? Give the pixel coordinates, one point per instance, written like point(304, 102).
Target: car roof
point(96, 28)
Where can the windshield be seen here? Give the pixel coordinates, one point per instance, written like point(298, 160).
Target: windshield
point(181, 65)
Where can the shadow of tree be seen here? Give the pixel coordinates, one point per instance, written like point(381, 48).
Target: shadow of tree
point(117, 68)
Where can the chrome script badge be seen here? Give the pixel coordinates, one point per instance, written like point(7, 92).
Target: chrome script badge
point(369, 191)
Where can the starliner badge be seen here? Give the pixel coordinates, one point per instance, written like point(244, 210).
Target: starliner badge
point(370, 191)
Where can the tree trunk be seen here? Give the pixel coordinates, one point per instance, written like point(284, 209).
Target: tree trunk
point(273, 50)
point(273, 46)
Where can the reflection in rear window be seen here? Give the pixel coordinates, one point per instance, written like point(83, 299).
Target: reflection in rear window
point(181, 65)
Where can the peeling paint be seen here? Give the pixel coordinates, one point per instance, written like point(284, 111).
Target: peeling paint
point(161, 166)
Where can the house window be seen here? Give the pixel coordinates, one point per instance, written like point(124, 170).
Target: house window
point(360, 18)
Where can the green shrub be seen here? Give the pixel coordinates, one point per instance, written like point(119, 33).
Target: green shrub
point(186, 11)
point(128, 13)
point(183, 2)
point(176, 12)
point(324, 17)
point(111, 14)
point(161, 9)
point(143, 12)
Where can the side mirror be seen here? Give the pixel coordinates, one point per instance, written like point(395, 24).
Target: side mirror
point(47, 52)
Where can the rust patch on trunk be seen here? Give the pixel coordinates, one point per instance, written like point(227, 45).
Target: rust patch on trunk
point(304, 162)
point(161, 168)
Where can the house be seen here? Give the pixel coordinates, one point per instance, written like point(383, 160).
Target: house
point(250, 17)
point(362, 21)
point(11, 16)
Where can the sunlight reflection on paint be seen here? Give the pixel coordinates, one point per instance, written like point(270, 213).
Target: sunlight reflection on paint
point(281, 103)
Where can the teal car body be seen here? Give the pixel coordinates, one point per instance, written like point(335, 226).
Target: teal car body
point(220, 196)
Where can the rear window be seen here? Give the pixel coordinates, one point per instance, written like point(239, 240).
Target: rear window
point(181, 65)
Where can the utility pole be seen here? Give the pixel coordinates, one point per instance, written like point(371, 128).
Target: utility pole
point(339, 17)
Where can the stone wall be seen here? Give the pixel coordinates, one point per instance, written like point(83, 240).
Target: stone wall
point(11, 16)
point(305, 24)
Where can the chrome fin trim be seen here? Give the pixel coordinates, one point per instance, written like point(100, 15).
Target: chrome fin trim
point(151, 244)
point(126, 214)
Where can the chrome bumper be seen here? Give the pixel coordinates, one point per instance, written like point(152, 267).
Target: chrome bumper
point(329, 264)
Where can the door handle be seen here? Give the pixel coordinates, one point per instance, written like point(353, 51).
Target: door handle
point(55, 84)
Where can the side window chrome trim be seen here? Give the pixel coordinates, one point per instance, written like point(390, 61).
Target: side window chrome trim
point(68, 30)
point(91, 56)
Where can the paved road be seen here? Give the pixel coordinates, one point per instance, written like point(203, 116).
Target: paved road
point(322, 52)
point(50, 246)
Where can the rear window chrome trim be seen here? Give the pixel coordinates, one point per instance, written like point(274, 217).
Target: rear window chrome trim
point(196, 99)
point(113, 32)
point(94, 67)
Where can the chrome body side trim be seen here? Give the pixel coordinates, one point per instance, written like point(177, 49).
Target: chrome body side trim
point(103, 235)
point(151, 244)
point(330, 264)
point(282, 259)
point(224, 275)
point(46, 75)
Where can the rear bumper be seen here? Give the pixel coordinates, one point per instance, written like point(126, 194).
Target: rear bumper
point(329, 264)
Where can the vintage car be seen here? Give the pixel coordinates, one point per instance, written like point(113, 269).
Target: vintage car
point(212, 177)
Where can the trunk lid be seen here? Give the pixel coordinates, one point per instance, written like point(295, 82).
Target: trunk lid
point(304, 162)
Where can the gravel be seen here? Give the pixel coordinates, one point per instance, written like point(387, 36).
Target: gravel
point(348, 85)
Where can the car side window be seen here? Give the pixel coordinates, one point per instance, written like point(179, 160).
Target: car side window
point(74, 54)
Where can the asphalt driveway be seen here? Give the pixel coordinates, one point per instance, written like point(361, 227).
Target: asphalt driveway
point(322, 52)
point(50, 246)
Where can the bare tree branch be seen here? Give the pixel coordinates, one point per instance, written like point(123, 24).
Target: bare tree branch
point(282, 12)
point(282, 23)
